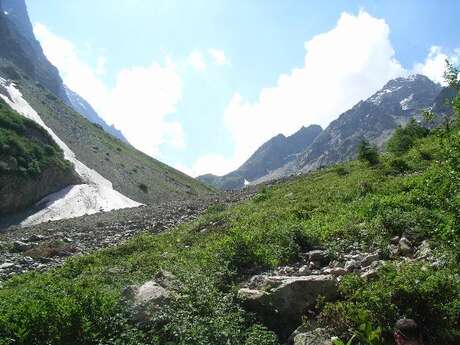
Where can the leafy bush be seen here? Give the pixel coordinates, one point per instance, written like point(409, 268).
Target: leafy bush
point(368, 153)
point(398, 166)
point(404, 138)
point(408, 292)
point(143, 187)
point(25, 147)
point(259, 335)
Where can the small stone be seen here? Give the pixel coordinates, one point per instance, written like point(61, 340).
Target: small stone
point(338, 271)
point(370, 274)
point(36, 238)
point(404, 247)
point(351, 265)
point(304, 270)
point(395, 240)
point(424, 250)
point(318, 256)
point(393, 249)
point(20, 246)
point(369, 259)
point(6, 265)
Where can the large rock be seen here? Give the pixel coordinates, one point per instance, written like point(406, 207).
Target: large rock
point(280, 302)
point(316, 337)
point(145, 300)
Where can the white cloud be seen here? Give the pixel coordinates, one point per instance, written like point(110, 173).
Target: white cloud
point(435, 64)
point(138, 103)
point(342, 66)
point(196, 60)
point(218, 56)
point(100, 65)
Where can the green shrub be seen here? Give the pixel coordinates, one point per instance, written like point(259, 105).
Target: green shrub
point(404, 138)
point(368, 153)
point(407, 292)
point(143, 187)
point(398, 166)
point(259, 335)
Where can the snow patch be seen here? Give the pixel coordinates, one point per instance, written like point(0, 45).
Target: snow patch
point(246, 182)
point(405, 103)
point(378, 97)
point(96, 195)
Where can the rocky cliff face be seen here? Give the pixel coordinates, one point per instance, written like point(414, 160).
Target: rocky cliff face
point(271, 156)
point(374, 119)
point(18, 45)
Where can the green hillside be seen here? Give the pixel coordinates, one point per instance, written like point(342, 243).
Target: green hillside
point(411, 191)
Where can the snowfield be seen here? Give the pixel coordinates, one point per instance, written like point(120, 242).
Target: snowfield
point(95, 195)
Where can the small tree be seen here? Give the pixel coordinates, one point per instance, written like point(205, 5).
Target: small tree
point(429, 117)
point(404, 137)
point(368, 153)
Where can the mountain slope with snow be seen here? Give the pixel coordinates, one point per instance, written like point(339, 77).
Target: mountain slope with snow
point(95, 195)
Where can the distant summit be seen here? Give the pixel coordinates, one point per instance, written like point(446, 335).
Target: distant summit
point(311, 148)
point(274, 154)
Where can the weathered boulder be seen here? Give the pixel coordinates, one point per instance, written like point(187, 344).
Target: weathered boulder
point(351, 265)
point(318, 336)
point(280, 302)
point(145, 300)
point(318, 257)
point(405, 247)
point(369, 259)
point(20, 246)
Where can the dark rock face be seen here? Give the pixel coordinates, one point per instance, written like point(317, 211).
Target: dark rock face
point(374, 119)
point(81, 106)
point(271, 156)
point(25, 52)
point(18, 45)
point(18, 193)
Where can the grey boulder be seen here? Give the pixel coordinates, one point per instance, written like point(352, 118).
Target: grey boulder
point(281, 303)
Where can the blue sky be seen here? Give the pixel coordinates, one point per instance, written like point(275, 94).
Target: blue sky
point(200, 84)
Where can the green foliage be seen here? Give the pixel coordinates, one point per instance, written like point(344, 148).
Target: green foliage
point(143, 187)
point(398, 166)
point(26, 149)
point(404, 138)
point(259, 335)
point(79, 302)
point(368, 153)
point(408, 292)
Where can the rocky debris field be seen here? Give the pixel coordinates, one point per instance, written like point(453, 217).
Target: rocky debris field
point(47, 245)
point(280, 298)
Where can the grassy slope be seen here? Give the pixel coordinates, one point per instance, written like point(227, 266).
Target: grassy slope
point(127, 168)
point(345, 205)
point(26, 148)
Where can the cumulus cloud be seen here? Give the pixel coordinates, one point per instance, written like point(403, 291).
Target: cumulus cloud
point(342, 66)
point(218, 56)
point(435, 64)
point(138, 103)
point(196, 60)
